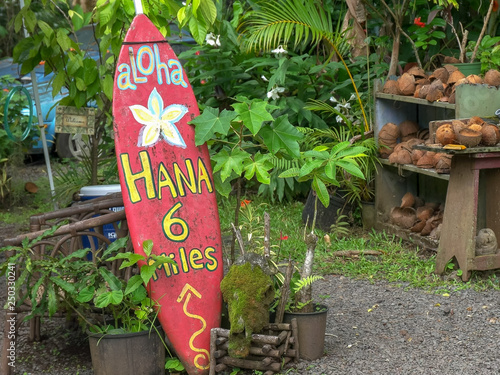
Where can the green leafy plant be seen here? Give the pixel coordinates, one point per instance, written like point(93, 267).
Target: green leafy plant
point(104, 302)
point(174, 365)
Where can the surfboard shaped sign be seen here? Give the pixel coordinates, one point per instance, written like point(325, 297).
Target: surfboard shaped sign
point(168, 189)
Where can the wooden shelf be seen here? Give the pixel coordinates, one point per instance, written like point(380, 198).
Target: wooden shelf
point(411, 99)
point(415, 169)
point(407, 235)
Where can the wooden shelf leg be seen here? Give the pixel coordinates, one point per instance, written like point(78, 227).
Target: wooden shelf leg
point(460, 216)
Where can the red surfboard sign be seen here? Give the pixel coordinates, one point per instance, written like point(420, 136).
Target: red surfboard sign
point(168, 189)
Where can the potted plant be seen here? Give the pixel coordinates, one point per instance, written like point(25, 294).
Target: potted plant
point(108, 295)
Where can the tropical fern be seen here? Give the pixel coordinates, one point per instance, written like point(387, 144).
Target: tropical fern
point(305, 282)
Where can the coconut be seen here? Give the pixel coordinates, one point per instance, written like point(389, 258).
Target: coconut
point(441, 74)
point(476, 120)
point(404, 217)
point(424, 213)
point(451, 98)
point(31, 187)
point(416, 155)
point(489, 135)
point(443, 165)
point(402, 156)
point(418, 226)
point(408, 129)
point(492, 77)
point(391, 87)
point(417, 72)
point(424, 90)
point(457, 125)
point(408, 200)
point(387, 139)
point(445, 135)
point(426, 161)
point(413, 142)
point(422, 81)
point(474, 79)
point(450, 60)
point(455, 77)
point(450, 68)
point(469, 137)
point(406, 84)
point(434, 95)
point(475, 127)
point(460, 81)
point(423, 134)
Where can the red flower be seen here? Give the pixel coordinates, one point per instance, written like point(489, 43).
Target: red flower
point(203, 81)
point(418, 22)
point(245, 202)
point(283, 238)
point(5, 90)
point(41, 63)
point(197, 53)
point(495, 6)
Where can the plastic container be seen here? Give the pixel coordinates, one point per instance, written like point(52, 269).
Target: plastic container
point(96, 191)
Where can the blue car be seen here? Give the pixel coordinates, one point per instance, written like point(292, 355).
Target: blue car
point(65, 145)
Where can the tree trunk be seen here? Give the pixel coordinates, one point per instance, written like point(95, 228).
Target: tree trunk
point(395, 53)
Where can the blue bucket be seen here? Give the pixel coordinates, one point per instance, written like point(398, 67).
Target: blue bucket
point(96, 191)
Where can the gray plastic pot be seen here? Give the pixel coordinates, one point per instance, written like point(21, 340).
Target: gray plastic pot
point(312, 327)
point(128, 354)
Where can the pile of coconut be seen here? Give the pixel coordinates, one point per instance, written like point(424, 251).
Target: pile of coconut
point(419, 217)
point(409, 133)
point(440, 85)
point(470, 133)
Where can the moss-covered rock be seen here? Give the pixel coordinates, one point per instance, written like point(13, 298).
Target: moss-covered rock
point(248, 291)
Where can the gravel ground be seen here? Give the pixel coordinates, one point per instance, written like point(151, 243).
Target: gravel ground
point(372, 328)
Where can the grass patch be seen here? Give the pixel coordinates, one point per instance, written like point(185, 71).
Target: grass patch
point(399, 262)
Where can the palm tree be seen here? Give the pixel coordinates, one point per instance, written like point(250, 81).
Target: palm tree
point(304, 21)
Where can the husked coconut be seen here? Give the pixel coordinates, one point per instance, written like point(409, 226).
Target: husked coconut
point(407, 218)
point(406, 84)
point(443, 164)
point(474, 79)
point(422, 81)
point(423, 134)
point(424, 212)
point(416, 155)
point(391, 87)
point(445, 135)
point(455, 77)
point(417, 72)
point(486, 242)
point(408, 129)
point(441, 74)
point(426, 161)
point(434, 95)
point(475, 127)
point(458, 125)
point(402, 156)
point(469, 137)
point(450, 68)
point(424, 90)
point(489, 135)
point(418, 226)
point(388, 139)
point(408, 200)
point(450, 60)
point(413, 142)
point(492, 77)
point(476, 120)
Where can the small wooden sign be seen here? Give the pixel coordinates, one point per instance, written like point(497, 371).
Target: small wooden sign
point(75, 120)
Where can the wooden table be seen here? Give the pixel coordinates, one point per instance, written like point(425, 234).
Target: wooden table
point(472, 203)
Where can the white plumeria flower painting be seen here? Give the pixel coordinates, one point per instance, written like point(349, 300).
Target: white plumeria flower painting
point(159, 122)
